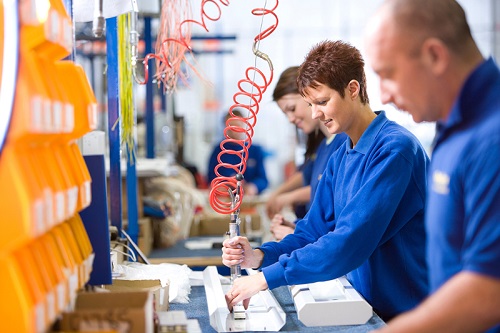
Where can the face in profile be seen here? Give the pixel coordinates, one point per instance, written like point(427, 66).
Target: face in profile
point(406, 80)
point(298, 113)
point(331, 109)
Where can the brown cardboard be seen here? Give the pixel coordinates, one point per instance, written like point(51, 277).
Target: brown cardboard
point(145, 237)
point(123, 312)
point(160, 294)
point(214, 224)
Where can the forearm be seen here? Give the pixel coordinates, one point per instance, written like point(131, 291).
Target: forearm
point(298, 196)
point(294, 182)
point(466, 303)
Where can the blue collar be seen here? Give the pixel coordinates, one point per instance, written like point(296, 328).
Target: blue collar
point(369, 135)
point(467, 106)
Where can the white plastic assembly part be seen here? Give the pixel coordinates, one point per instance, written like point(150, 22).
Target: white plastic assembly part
point(263, 314)
point(330, 303)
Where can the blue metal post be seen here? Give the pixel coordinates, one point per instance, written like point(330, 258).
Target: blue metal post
point(150, 121)
point(115, 179)
point(133, 215)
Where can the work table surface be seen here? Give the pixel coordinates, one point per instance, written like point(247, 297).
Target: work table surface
point(197, 309)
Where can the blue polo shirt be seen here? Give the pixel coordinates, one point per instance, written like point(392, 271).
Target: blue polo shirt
point(366, 221)
point(463, 215)
point(314, 171)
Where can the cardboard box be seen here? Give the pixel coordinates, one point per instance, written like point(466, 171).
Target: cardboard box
point(214, 224)
point(160, 294)
point(123, 312)
point(145, 237)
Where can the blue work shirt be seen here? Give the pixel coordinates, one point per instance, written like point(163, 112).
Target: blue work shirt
point(313, 172)
point(255, 171)
point(366, 222)
point(463, 214)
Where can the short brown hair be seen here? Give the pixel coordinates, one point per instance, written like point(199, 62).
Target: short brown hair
point(333, 64)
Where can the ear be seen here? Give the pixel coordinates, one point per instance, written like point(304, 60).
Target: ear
point(435, 55)
point(352, 89)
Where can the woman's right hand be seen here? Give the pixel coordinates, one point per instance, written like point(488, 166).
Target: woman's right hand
point(237, 250)
point(274, 205)
point(280, 227)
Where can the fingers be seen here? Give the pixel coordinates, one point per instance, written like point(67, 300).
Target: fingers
point(233, 252)
point(233, 298)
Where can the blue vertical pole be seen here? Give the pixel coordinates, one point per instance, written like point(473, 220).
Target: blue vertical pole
point(150, 120)
point(115, 178)
point(133, 215)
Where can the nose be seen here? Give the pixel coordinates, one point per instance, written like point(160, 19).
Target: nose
point(291, 117)
point(316, 113)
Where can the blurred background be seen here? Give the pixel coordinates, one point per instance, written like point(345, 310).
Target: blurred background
point(188, 120)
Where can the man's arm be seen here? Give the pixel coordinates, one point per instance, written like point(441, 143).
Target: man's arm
point(468, 302)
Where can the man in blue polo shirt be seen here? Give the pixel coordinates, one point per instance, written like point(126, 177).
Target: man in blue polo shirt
point(429, 64)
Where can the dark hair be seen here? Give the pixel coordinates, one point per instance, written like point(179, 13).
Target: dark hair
point(313, 140)
point(333, 64)
point(443, 19)
point(287, 83)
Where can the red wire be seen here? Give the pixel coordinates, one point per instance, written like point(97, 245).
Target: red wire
point(219, 197)
point(245, 98)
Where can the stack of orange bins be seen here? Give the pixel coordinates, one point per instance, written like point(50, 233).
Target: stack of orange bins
point(45, 252)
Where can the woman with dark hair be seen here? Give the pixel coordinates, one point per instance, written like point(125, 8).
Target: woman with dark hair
point(301, 186)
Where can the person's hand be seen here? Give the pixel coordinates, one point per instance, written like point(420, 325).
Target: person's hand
point(237, 250)
point(275, 204)
point(281, 231)
point(245, 287)
point(280, 227)
point(250, 189)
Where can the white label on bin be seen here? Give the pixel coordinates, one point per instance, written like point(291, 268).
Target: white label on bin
point(47, 115)
point(51, 305)
point(69, 118)
point(36, 114)
point(49, 206)
point(73, 281)
point(72, 199)
point(52, 26)
point(38, 217)
point(61, 296)
point(60, 206)
point(40, 317)
point(57, 116)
